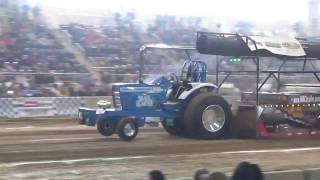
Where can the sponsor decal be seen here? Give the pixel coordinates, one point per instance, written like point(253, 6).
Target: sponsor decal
point(305, 99)
point(34, 107)
point(280, 46)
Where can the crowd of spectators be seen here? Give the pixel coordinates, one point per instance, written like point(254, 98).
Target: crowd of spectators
point(117, 44)
point(31, 56)
point(115, 47)
point(243, 171)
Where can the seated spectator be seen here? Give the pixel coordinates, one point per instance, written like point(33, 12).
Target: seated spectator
point(156, 175)
point(247, 171)
point(201, 174)
point(217, 176)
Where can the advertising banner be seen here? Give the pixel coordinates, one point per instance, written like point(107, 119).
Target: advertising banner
point(34, 107)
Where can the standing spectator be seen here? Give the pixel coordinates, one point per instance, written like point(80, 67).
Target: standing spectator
point(247, 171)
point(217, 176)
point(201, 174)
point(156, 175)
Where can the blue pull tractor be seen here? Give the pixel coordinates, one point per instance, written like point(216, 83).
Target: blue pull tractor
point(189, 106)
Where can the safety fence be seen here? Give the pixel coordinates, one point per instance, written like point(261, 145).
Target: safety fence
point(45, 106)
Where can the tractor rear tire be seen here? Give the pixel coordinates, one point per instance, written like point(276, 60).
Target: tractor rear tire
point(127, 129)
point(177, 129)
point(207, 116)
point(106, 127)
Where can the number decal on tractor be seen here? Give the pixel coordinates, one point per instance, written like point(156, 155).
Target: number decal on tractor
point(144, 101)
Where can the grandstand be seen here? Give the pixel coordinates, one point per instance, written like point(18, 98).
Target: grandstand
point(83, 59)
point(33, 61)
point(37, 61)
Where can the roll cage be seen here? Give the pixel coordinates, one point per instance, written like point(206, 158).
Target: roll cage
point(192, 71)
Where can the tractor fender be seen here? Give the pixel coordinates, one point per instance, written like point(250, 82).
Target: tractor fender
point(197, 88)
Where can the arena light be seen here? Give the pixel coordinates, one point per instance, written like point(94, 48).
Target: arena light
point(235, 60)
point(289, 105)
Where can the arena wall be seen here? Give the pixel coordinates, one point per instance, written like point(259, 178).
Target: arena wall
point(45, 106)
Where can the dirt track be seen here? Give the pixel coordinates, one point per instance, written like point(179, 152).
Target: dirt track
point(63, 149)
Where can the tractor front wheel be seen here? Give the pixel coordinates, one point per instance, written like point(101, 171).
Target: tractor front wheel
point(176, 128)
point(127, 129)
point(106, 127)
